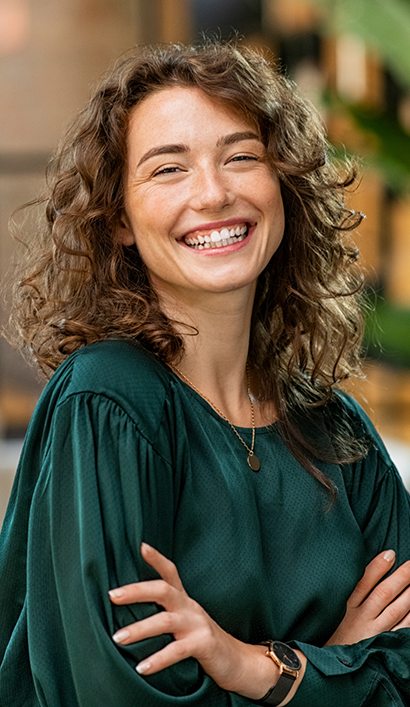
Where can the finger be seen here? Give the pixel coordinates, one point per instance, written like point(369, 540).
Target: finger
point(156, 625)
point(128, 593)
point(387, 591)
point(173, 653)
point(155, 590)
point(404, 623)
point(395, 613)
point(375, 570)
point(165, 568)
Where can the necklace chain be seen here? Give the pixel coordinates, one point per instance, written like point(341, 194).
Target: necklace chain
point(253, 460)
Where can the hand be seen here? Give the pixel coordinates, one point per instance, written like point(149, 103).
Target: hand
point(234, 665)
point(373, 609)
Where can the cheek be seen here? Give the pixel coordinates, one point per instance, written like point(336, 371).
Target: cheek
point(276, 220)
point(153, 247)
point(277, 207)
point(152, 216)
point(274, 196)
point(266, 194)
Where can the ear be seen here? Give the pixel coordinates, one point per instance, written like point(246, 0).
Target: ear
point(125, 233)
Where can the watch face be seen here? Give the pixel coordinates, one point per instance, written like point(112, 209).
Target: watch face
point(286, 655)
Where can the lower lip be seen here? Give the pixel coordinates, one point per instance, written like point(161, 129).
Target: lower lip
point(223, 250)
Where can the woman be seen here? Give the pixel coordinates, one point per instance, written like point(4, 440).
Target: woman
point(190, 455)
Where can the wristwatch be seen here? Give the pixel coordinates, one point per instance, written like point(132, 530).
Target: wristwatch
point(289, 665)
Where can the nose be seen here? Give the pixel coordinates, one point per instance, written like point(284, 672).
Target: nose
point(210, 191)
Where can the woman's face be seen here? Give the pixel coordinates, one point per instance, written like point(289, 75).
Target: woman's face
point(202, 202)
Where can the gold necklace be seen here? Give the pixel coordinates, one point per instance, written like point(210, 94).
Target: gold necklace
point(253, 460)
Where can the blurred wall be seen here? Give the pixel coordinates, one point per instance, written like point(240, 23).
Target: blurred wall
point(50, 52)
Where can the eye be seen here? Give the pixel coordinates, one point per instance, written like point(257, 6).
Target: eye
point(167, 170)
point(244, 158)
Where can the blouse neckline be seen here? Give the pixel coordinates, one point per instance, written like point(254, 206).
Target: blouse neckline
point(264, 429)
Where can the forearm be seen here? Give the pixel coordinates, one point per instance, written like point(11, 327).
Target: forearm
point(255, 673)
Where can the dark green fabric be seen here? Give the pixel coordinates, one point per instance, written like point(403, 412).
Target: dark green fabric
point(119, 450)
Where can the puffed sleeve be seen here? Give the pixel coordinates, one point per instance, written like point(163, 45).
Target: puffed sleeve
point(102, 489)
point(375, 671)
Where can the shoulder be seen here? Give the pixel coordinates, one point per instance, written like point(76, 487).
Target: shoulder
point(346, 410)
point(119, 372)
point(116, 366)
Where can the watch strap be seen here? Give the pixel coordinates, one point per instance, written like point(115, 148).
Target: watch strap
point(278, 692)
point(288, 674)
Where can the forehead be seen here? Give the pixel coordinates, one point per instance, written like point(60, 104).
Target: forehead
point(181, 113)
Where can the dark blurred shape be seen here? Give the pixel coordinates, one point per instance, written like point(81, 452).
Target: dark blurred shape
point(224, 17)
point(297, 48)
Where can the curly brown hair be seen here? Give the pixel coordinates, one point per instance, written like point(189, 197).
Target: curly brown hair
point(79, 284)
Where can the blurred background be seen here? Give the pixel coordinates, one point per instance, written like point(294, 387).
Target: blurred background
point(351, 58)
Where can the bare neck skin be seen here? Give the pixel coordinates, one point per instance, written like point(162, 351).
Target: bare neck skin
point(215, 358)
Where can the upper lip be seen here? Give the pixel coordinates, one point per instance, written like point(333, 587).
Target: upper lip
point(217, 225)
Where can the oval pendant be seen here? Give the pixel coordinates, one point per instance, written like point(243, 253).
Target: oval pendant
point(254, 462)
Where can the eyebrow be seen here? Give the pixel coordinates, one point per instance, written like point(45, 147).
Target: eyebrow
point(163, 150)
point(237, 137)
point(178, 149)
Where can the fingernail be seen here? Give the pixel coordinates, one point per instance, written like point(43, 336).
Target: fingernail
point(389, 555)
point(143, 667)
point(116, 593)
point(146, 547)
point(121, 635)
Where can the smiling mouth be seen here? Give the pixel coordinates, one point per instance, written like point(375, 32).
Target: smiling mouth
point(217, 238)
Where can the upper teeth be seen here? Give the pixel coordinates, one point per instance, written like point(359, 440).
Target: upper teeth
point(218, 237)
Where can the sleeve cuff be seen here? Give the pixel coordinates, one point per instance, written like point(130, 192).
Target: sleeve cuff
point(350, 689)
point(351, 674)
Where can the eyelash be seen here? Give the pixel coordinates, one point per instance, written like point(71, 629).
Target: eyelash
point(237, 158)
point(166, 170)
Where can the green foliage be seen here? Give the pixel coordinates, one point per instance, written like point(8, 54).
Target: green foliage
point(393, 153)
point(387, 331)
point(383, 24)
point(390, 144)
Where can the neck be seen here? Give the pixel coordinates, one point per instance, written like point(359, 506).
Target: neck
point(215, 359)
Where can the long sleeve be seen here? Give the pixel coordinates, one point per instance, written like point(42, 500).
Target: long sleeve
point(375, 671)
point(86, 525)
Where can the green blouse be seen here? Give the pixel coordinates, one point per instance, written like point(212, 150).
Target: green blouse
point(119, 450)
